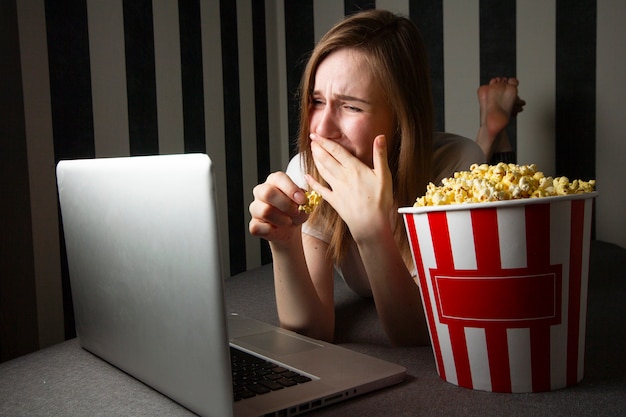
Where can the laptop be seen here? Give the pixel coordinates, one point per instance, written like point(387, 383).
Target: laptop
point(147, 285)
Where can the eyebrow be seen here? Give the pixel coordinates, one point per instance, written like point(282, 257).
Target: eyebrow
point(352, 98)
point(346, 97)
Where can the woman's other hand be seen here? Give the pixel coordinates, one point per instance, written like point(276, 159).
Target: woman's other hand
point(274, 211)
point(362, 196)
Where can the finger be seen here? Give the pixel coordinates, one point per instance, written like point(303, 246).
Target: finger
point(263, 212)
point(276, 201)
point(333, 149)
point(326, 164)
point(316, 186)
point(280, 191)
point(300, 218)
point(381, 165)
point(259, 228)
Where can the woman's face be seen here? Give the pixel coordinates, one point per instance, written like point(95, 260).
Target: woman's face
point(348, 104)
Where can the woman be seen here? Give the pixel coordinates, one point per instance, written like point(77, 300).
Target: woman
point(366, 146)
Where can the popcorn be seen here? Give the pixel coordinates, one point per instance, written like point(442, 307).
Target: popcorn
point(314, 199)
point(499, 182)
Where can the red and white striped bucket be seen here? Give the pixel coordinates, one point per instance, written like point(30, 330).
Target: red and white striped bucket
point(504, 288)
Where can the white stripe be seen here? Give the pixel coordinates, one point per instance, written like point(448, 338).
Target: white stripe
point(560, 218)
point(560, 215)
point(476, 341)
point(461, 66)
point(43, 196)
point(397, 6)
point(326, 13)
point(108, 77)
point(446, 352)
point(536, 57)
point(169, 92)
point(558, 355)
point(248, 124)
point(610, 121)
point(462, 239)
point(277, 85)
point(519, 360)
point(511, 233)
point(584, 287)
point(214, 114)
point(428, 258)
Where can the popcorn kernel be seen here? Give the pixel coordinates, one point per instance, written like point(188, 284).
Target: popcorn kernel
point(313, 200)
point(499, 182)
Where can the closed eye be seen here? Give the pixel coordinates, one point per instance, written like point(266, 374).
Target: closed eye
point(316, 102)
point(352, 108)
point(353, 104)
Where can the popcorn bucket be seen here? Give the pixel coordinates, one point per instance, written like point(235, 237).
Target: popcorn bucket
point(504, 289)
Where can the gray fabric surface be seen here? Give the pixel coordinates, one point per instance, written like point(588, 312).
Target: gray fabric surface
point(65, 380)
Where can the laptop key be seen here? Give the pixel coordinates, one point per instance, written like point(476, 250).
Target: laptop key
point(286, 382)
point(254, 376)
point(243, 394)
point(279, 370)
point(274, 386)
point(258, 388)
point(300, 379)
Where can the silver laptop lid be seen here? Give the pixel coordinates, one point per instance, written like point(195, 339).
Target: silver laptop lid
point(144, 257)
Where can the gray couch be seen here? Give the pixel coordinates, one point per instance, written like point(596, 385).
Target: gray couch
point(66, 380)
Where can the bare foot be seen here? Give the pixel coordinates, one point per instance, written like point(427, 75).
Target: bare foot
point(498, 103)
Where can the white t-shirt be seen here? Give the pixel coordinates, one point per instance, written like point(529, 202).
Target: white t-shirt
point(451, 153)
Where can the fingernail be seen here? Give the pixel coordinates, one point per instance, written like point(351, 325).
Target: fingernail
point(299, 197)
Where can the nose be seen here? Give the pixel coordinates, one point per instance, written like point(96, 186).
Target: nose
point(325, 123)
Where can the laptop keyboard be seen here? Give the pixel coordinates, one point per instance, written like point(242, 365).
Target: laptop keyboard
point(255, 376)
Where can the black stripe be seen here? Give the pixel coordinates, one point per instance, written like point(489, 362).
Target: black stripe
point(497, 39)
point(355, 6)
point(576, 88)
point(232, 124)
point(18, 301)
point(428, 16)
point(498, 46)
point(71, 103)
point(70, 79)
point(300, 39)
point(140, 77)
point(192, 76)
point(261, 104)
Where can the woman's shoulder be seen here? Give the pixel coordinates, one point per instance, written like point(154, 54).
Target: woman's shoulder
point(295, 170)
point(453, 141)
point(452, 153)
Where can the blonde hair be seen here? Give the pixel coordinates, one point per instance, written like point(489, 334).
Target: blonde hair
point(393, 48)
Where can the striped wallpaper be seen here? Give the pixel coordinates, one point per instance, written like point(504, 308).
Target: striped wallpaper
point(95, 78)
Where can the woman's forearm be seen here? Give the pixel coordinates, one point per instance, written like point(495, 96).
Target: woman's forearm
point(395, 292)
point(302, 307)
